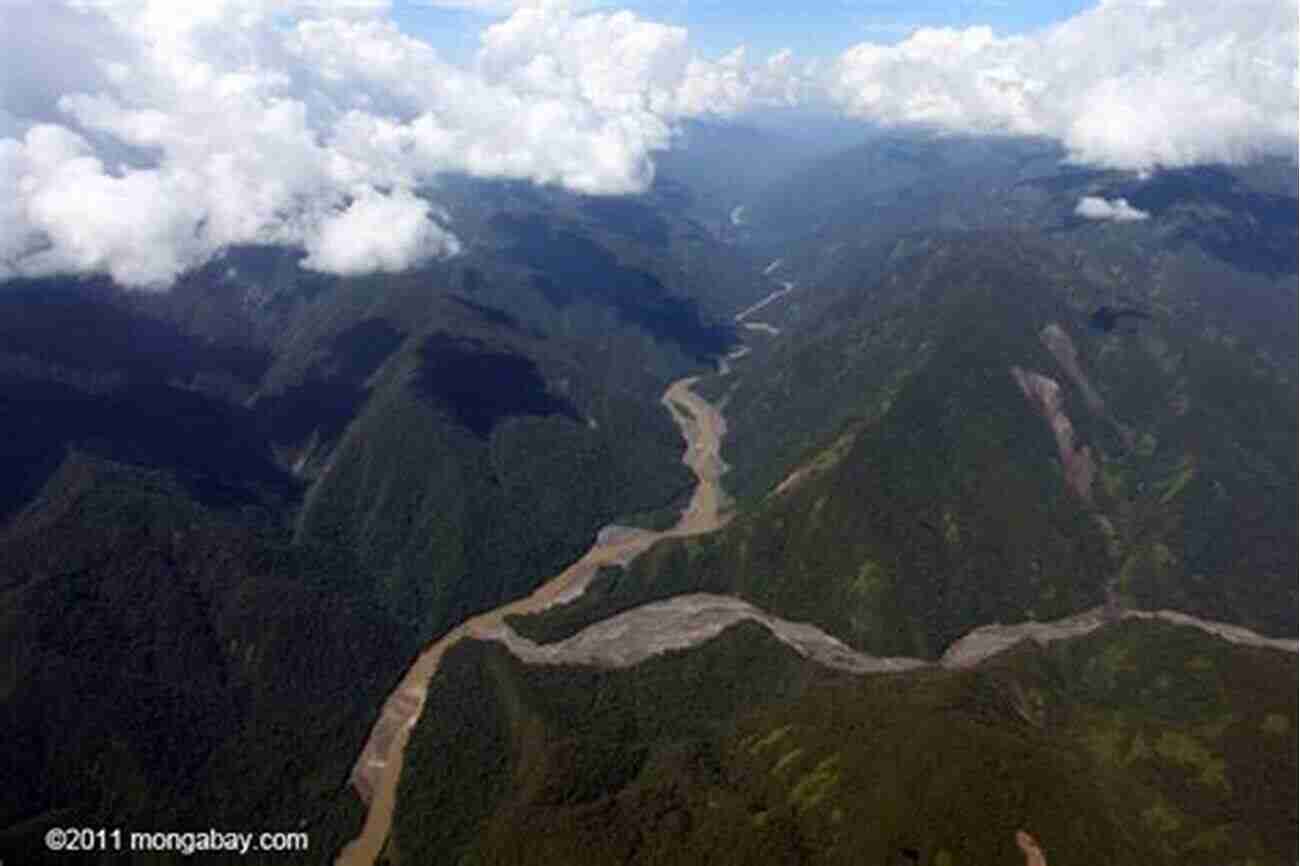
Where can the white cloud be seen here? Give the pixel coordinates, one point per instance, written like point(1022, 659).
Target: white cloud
point(493, 7)
point(1117, 210)
point(140, 137)
point(68, 213)
point(1126, 84)
point(377, 232)
point(149, 135)
point(617, 61)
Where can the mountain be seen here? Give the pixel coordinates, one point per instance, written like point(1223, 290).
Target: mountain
point(950, 428)
point(236, 509)
point(971, 450)
point(1139, 744)
point(977, 441)
point(837, 222)
point(721, 166)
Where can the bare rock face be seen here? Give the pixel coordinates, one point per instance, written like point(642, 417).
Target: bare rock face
point(1029, 847)
point(1045, 395)
point(1058, 342)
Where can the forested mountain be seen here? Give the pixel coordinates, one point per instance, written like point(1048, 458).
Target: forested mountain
point(234, 510)
point(982, 408)
point(929, 493)
point(513, 432)
point(1142, 744)
point(241, 507)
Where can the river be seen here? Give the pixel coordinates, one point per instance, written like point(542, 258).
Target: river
point(681, 622)
point(377, 771)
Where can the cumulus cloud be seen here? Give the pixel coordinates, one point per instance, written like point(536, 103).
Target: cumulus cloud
point(63, 211)
point(139, 138)
point(147, 135)
point(1129, 84)
point(1117, 210)
point(617, 61)
point(377, 232)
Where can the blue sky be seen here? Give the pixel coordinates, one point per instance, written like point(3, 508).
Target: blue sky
point(810, 28)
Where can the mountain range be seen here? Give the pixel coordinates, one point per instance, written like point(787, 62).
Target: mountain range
point(954, 399)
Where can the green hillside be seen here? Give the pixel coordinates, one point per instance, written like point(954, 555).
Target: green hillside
point(1140, 744)
point(240, 506)
point(940, 502)
point(165, 664)
point(234, 511)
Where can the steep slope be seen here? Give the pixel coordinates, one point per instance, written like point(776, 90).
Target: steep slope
point(948, 430)
point(1021, 461)
point(168, 664)
point(240, 506)
point(996, 459)
point(1138, 744)
point(1213, 245)
point(954, 425)
point(647, 256)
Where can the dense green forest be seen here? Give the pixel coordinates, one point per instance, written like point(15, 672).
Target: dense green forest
point(234, 512)
point(939, 502)
point(1139, 744)
point(164, 665)
point(239, 507)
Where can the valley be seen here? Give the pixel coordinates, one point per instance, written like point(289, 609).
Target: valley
point(379, 768)
point(689, 620)
point(504, 433)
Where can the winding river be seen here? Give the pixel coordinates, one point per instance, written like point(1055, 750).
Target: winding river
point(681, 622)
point(376, 773)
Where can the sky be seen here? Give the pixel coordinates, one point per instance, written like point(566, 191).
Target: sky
point(809, 28)
point(140, 138)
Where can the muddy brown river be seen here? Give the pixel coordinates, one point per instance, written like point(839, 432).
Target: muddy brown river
point(682, 622)
point(377, 771)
